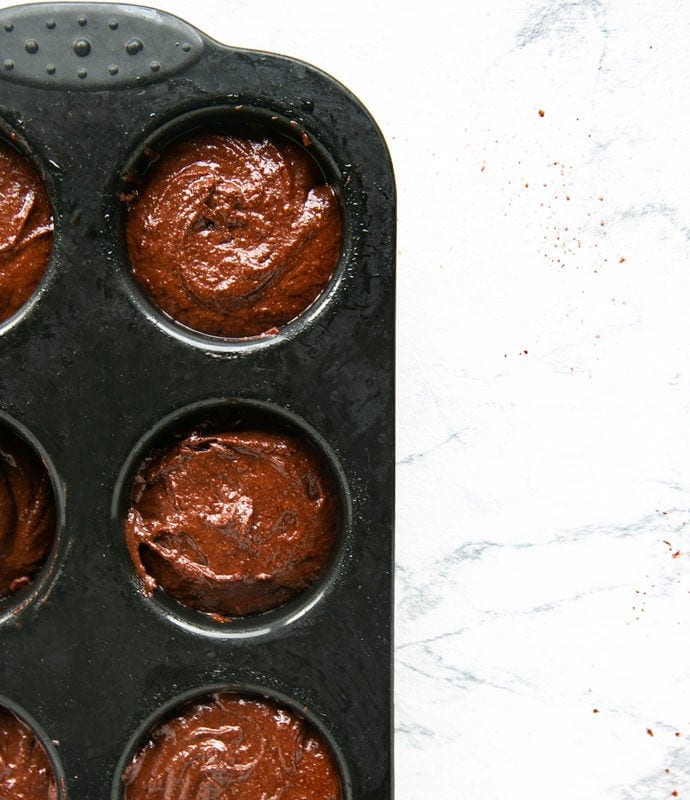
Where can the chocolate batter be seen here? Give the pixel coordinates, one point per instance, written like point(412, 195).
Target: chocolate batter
point(25, 769)
point(26, 230)
point(234, 236)
point(230, 747)
point(27, 513)
point(232, 523)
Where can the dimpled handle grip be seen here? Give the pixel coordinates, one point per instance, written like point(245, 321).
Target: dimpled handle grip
point(93, 46)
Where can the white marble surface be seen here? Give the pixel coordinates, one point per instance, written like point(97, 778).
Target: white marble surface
point(543, 560)
point(544, 476)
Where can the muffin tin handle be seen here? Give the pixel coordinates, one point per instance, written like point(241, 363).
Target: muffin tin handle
point(88, 46)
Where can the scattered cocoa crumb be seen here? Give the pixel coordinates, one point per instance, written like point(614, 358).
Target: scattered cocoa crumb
point(674, 793)
point(541, 112)
point(676, 554)
point(306, 141)
point(677, 733)
point(483, 168)
point(621, 259)
point(17, 583)
point(650, 732)
point(595, 711)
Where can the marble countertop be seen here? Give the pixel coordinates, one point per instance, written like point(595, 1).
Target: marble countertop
point(543, 559)
point(543, 591)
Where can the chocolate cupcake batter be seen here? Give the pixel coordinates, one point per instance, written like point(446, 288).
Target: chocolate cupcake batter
point(234, 236)
point(27, 513)
point(25, 769)
point(26, 230)
point(230, 747)
point(232, 523)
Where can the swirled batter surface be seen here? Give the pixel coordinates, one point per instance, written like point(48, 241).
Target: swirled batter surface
point(25, 769)
point(232, 747)
point(27, 513)
point(26, 230)
point(234, 236)
point(232, 523)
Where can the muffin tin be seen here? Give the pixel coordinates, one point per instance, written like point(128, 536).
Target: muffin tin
point(91, 374)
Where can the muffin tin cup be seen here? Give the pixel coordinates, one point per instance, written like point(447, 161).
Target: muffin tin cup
point(48, 744)
point(176, 704)
point(221, 118)
point(15, 605)
point(87, 369)
point(264, 416)
point(11, 134)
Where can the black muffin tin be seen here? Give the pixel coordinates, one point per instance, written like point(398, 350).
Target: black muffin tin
point(92, 374)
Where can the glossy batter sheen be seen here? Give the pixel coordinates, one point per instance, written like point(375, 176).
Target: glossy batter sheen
point(27, 513)
point(26, 230)
point(25, 769)
point(234, 236)
point(234, 748)
point(232, 523)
